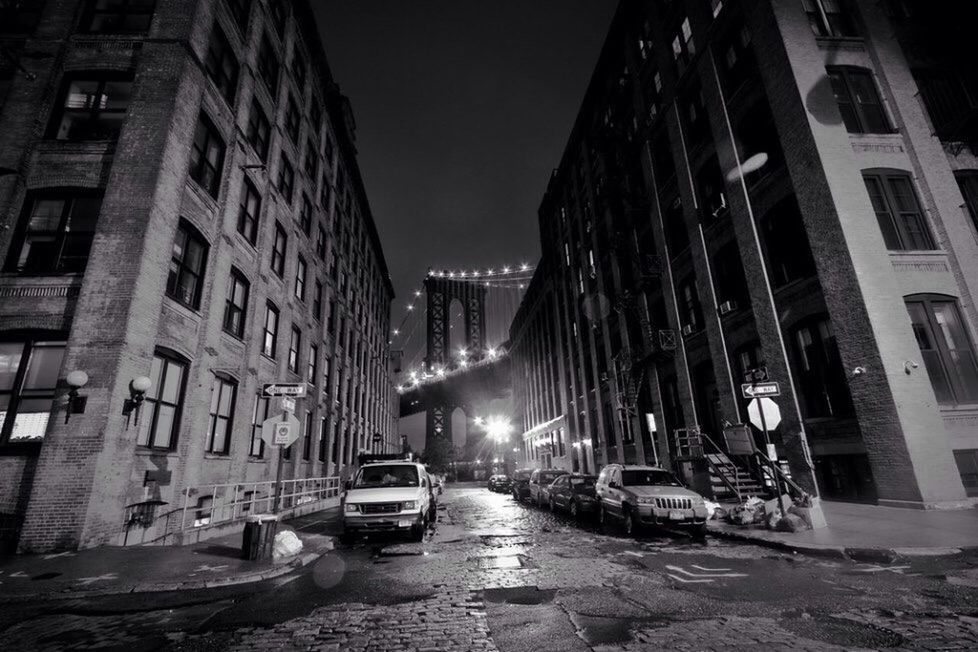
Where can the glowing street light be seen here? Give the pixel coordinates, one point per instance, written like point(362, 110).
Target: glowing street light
point(492, 353)
point(524, 267)
point(479, 421)
point(498, 428)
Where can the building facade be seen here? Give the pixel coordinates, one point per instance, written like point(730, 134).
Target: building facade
point(787, 185)
point(184, 221)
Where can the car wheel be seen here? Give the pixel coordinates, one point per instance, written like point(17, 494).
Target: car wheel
point(575, 512)
point(631, 527)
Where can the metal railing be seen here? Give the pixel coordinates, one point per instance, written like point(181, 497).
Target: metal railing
point(213, 504)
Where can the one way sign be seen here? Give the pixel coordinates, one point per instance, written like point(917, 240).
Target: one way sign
point(753, 390)
point(298, 390)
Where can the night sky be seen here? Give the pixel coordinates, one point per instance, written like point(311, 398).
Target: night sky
point(463, 109)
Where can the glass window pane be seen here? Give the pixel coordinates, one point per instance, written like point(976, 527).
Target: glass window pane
point(215, 395)
point(43, 368)
point(31, 420)
point(164, 426)
point(227, 393)
point(117, 95)
point(10, 355)
point(46, 215)
point(154, 376)
point(173, 382)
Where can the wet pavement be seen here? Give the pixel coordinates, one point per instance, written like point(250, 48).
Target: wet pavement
point(497, 575)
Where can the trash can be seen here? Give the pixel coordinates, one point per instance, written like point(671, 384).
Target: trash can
point(259, 535)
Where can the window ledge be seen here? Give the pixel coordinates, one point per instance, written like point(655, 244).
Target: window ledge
point(182, 308)
point(854, 43)
point(201, 193)
point(963, 409)
point(256, 460)
point(217, 456)
point(156, 452)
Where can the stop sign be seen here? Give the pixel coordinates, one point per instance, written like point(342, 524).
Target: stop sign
point(772, 415)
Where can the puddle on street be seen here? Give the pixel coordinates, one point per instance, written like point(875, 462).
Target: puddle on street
point(501, 561)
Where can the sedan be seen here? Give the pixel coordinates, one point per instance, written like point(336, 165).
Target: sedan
point(499, 483)
point(520, 485)
point(574, 493)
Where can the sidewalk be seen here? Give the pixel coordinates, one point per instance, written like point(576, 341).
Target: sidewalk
point(869, 533)
point(136, 569)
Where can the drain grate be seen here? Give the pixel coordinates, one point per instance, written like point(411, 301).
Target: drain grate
point(840, 631)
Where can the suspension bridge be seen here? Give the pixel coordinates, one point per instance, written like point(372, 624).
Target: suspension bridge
point(454, 338)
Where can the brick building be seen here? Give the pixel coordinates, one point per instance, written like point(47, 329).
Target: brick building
point(180, 201)
point(789, 184)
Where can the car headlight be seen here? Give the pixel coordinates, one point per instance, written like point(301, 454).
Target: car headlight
point(646, 501)
point(352, 507)
point(409, 504)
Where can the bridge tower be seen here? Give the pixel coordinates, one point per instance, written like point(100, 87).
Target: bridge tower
point(441, 293)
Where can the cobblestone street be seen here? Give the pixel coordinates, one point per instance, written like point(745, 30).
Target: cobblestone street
point(498, 575)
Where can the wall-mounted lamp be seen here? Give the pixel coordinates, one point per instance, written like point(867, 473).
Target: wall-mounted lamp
point(137, 392)
point(858, 371)
point(909, 366)
point(76, 404)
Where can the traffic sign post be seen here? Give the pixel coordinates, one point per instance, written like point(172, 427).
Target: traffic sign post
point(750, 390)
point(297, 390)
point(282, 432)
point(764, 413)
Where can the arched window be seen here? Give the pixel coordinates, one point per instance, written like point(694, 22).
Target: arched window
point(946, 348)
point(818, 366)
point(898, 210)
point(224, 390)
point(163, 402)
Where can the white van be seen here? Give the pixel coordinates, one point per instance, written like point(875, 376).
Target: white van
point(389, 496)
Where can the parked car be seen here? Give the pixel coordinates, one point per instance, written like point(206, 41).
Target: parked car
point(540, 479)
point(648, 495)
point(574, 493)
point(499, 483)
point(520, 485)
point(391, 497)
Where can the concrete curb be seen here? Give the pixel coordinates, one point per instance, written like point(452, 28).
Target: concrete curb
point(862, 554)
point(158, 587)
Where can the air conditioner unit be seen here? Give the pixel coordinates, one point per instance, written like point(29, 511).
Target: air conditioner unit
point(688, 330)
point(727, 307)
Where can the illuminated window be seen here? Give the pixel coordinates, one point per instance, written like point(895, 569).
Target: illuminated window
point(29, 371)
point(55, 233)
point(91, 107)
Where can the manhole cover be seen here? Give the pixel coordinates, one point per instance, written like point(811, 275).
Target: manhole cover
point(502, 561)
point(839, 631)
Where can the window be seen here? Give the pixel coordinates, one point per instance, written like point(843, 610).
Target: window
point(20, 17)
point(312, 364)
point(163, 403)
point(29, 371)
point(321, 243)
point(968, 182)
point(298, 68)
point(859, 102)
point(948, 353)
point(967, 461)
point(712, 192)
point(55, 232)
point(295, 341)
point(207, 156)
point(323, 430)
point(278, 250)
point(221, 415)
point(286, 179)
point(240, 10)
point(898, 212)
point(789, 257)
point(221, 65)
point(689, 304)
point(757, 135)
point(185, 282)
point(292, 120)
point(728, 273)
point(677, 235)
point(268, 65)
point(829, 17)
point(735, 59)
point(317, 301)
point(305, 214)
point(236, 303)
point(307, 436)
point(824, 389)
point(951, 99)
point(92, 107)
point(310, 163)
point(300, 279)
point(259, 130)
point(258, 415)
point(269, 342)
point(697, 124)
point(248, 212)
point(117, 16)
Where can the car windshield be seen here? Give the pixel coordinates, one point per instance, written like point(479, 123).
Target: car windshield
point(550, 476)
point(388, 475)
point(633, 478)
point(522, 475)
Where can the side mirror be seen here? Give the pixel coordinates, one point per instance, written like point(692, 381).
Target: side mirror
point(347, 485)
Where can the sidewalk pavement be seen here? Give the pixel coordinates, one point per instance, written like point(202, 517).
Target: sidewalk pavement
point(869, 533)
point(135, 569)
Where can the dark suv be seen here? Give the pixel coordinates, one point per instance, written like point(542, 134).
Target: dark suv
point(520, 484)
point(498, 482)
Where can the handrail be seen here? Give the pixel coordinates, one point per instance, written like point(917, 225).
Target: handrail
point(720, 474)
point(801, 493)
